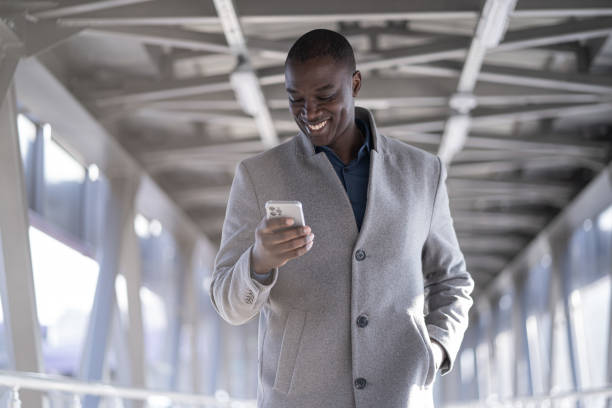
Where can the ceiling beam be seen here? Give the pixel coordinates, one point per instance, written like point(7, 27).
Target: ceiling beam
point(479, 243)
point(320, 11)
point(484, 169)
point(165, 36)
point(520, 77)
point(72, 7)
point(505, 200)
point(12, 7)
point(189, 39)
point(493, 263)
point(567, 145)
point(562, 8)
point(180, 12)
point(453, 48)
point(492, 117)
point(218, 118)
point(202, 196)
point(163, 90)
point(490, 30)
point(479, 221)
point(466, 186)
point(576, 30)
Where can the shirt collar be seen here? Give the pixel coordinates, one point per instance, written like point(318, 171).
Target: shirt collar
point(365, 147)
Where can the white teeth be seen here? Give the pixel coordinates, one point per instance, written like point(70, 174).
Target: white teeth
point(317, 126)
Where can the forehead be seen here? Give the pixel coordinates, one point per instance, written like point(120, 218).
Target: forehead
point(315, 72)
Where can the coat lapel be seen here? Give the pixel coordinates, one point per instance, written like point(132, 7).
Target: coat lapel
point(339, 197)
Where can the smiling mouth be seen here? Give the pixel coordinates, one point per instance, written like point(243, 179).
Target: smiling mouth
point(317, 127)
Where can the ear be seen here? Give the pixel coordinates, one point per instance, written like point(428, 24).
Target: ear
point(356, 83)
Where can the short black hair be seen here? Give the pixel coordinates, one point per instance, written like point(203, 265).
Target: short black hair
point(322, 43)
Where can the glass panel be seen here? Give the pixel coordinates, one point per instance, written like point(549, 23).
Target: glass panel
point(27, 134)
point(537, 324)
point(159, 295)
point(560, 365)
point(64, 178)
point(504, 347)
point(64, 284)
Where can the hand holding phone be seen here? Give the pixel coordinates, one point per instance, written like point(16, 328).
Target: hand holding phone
point(291, 209)
point(280, 236)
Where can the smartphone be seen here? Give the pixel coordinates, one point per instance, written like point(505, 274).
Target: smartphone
point(292, 209)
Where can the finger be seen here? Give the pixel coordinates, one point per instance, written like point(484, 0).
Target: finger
point(296, 253)
point(273, 224)
point(285, 235)
point(293, 244)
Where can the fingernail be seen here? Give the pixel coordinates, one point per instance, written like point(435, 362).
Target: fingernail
point(289, 221)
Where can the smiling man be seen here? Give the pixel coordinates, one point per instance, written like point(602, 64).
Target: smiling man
point(367, 313)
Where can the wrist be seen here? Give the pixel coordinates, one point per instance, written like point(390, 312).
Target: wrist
point(258, 267)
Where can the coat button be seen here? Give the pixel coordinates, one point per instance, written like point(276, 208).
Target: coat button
point(360, 383)
point(360, 255)
point(362, 321)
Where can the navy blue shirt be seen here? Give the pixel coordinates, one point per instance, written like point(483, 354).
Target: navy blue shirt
point(355, 175)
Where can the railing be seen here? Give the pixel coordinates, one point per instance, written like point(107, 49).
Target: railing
point(17, 381)
point(536, 400)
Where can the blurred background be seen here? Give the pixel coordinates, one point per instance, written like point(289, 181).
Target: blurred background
point(121, 124)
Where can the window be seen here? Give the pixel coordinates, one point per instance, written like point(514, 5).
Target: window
point(504, 347)
point(64, 284)
point(63, 191)
point(27, 135)
point(538, 324)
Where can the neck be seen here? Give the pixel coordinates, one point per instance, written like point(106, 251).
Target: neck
point(348, 148)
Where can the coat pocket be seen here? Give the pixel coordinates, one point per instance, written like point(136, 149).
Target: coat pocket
point(419, 323)
point(290, 346)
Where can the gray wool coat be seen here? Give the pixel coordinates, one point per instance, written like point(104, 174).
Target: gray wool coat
point(404, 271)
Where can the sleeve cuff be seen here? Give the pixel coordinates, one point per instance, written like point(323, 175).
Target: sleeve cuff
point(259, 282)
point(263, 278)
point(439, 336)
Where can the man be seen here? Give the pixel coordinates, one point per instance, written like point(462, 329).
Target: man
point(364, 314)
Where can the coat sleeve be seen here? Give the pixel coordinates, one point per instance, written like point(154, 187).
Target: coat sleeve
point(448, 284)
point(235, 295)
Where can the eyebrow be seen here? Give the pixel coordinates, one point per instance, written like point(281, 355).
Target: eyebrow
point(321, 88)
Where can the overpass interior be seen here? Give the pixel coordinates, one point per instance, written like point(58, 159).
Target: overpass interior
point(122, 123)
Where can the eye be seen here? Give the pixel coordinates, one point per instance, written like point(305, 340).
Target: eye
point(326, 98)
point(295, 101)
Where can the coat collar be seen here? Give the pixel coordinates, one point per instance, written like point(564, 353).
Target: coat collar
point(304, 146)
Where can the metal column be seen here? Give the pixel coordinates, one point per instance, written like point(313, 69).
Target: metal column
point(119, 212)
point(17, 283)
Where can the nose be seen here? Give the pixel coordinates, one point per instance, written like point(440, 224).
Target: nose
point(310, 111)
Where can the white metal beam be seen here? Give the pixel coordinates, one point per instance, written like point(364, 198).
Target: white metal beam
point(520, 77)
point(565, 32)
point(490, 30)
point(484, 169)
point(321, 11)
point(72, 7)
point(482, 117)
point(244, 80)
point(165, 36)
point(196, 197)
point(193, 12)
point(16, 279)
